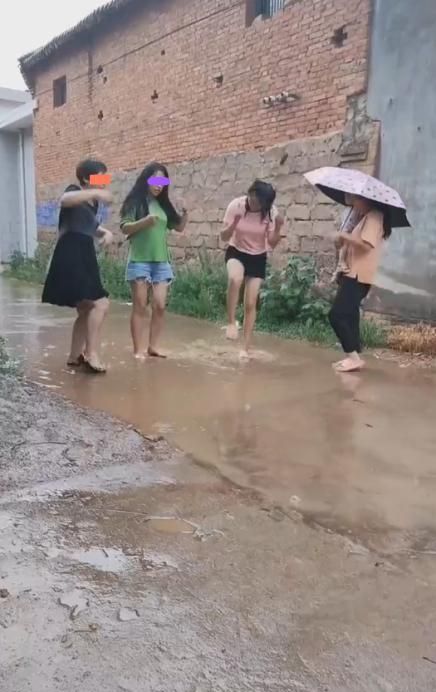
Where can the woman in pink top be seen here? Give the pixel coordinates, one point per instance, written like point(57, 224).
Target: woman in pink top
point(252, 228)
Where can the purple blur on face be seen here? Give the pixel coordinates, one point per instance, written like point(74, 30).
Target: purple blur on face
point(158, 181)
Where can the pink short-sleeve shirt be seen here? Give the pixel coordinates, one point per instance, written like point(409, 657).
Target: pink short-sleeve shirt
point(251, 234)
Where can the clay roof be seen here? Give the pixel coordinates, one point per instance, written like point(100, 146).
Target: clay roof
point(85, 27)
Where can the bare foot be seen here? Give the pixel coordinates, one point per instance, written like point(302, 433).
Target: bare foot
point(139, 356)
point(244, 355)
point(350, 365)
point(152, 353)
point(232, 331)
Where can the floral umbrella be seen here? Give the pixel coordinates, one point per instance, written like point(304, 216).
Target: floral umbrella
point(337, 182)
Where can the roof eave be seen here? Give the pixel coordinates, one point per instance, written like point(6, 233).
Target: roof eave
point(30, 62)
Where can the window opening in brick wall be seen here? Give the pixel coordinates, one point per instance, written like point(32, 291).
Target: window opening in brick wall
point(59, 92)
point(270, 7)
point(262, 8)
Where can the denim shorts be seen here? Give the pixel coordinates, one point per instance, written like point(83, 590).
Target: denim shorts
point(150, 272)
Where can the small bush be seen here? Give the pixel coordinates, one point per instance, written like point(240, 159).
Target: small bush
point(113, 277)
point(288, 297)
point(199, 290)
point(32, 269)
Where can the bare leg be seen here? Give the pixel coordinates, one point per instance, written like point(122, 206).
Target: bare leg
point(139, 313)
point(78, 338)
point(160, 292)
point(235, 273)
point(96, 315)
point(252, 288)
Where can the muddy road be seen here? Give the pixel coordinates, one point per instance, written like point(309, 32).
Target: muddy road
point(281, 537)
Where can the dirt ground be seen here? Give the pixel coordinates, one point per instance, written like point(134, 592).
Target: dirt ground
point(126, 567)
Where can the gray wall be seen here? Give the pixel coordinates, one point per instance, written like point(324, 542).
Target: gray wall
point(10, 195)
point(402, 96)
point(7, 106)
point(29, 223)
point(18, 229)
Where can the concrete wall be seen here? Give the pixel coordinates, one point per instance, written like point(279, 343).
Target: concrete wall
point(402, 96)
point(6, 106)
point(17, 176)
point(206, 187)
point(17, 194)
point(11, 99)
point(10, 203)
point(28, 179)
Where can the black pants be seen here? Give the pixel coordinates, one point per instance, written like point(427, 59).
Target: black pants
point(345, 313)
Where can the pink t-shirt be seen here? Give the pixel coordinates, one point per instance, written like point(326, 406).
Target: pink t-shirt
point(251, 234)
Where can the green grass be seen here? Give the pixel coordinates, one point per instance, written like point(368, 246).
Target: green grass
point(113, 277)
point(199, 290)
point(288, 306)
point(33, 269)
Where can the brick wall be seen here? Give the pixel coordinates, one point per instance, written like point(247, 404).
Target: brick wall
point(206, 186)
point(215, 138)
point(192, 116)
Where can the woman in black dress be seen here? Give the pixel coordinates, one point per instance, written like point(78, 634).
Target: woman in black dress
point(73, 279)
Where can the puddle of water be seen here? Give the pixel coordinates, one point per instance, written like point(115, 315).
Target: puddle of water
point(110, 560)
point(284, 424)
point(171, 525)
point(103, 559)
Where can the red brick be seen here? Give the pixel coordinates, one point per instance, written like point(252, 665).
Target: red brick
point(193, 118)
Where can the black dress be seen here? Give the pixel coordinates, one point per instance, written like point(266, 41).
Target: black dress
point(74, 275)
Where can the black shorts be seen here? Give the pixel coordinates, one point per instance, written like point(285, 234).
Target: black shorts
point(254, 265)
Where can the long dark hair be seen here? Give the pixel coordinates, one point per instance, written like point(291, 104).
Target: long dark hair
point(265, 194)
point(137, 200)
point(387, 224)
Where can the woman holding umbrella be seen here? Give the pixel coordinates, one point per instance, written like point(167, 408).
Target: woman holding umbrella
point(375, 209)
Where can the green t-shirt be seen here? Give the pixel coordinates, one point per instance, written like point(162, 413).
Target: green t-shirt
point(150, 244)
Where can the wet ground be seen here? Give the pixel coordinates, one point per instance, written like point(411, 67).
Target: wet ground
point(355, 452)
point(288, 544)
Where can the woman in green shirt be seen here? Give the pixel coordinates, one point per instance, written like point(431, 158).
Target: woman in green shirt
point(146, 217)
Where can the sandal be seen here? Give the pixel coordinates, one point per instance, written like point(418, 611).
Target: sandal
point(349, 365)
point(77, 363)
point(155, 354)
point(94, 369)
